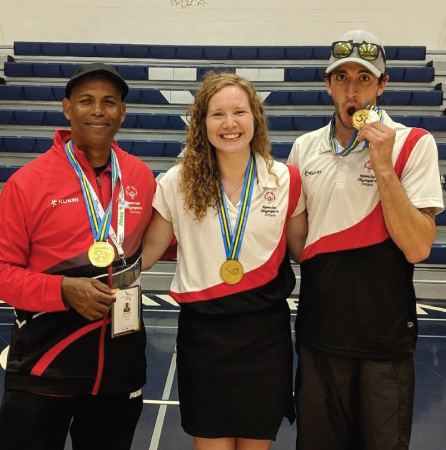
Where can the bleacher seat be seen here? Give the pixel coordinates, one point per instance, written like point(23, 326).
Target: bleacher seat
point(308, 98)
point(155, 121)
point(44, 70)
point(402, 52)
point(20, 144)
point(140, 72)
point(27, 48)
point(54, 49)
point(108, 50)
point(437, 255)
point(414, 53)
point(271, 52)
point(278, 97)
point(6, 172)
point(409, 121)
point(186, 69)
point(133, 72)
point(411, 74)
point(163, 51)
point(31, 117)
point(433, 123)
point(281, 149)
point(216, 52)
point(11, 92)
point(79, 49)
point(300, 53)
point(44, 93)
point(189, 52)
point(304, 74)
point(135, 51)
point(13, 69)
point(402, 98)
point(7, 117)
point(440, 220)
point(297, 122)
point(176, 122)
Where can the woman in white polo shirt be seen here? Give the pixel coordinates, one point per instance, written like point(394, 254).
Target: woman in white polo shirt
point(231, 208)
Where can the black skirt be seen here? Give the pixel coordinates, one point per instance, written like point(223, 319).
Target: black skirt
point(235, 373)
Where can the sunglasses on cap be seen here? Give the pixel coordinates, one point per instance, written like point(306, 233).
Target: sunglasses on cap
point(367, 51)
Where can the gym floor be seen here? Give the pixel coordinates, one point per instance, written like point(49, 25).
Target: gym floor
point(159, 426)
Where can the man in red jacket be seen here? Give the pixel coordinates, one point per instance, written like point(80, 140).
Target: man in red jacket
point(71, 224)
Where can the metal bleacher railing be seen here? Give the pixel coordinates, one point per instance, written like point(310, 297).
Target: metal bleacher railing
point(163, 79)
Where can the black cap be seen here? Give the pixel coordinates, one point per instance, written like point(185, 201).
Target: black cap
point(93, 69)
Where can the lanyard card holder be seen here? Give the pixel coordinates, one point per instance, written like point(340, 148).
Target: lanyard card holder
point(126, 311)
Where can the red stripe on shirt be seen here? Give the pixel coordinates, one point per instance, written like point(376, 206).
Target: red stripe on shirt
point(295, 190)
point(256, 277)
point(49, 356)
point(372, 229)
point(253, 279)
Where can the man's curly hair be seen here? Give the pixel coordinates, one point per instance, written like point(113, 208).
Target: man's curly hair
point(199, 175)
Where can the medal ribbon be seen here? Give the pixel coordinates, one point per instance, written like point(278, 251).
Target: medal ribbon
point(232, 240)
point(100, 221)
point(354, 141)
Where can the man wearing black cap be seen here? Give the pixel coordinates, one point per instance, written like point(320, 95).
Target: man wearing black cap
point(372, 191)
point(71, 224)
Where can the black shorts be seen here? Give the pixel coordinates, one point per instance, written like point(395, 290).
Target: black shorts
point(41, 422)
point(346, 403)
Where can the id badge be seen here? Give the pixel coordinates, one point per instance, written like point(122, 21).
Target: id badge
point(126, 311)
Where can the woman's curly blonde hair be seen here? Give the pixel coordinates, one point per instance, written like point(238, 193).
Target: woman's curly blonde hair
point(199, 174)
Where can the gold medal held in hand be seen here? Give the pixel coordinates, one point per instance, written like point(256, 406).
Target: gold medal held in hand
point(363, 116)
point(101, 254)
point(231, 271)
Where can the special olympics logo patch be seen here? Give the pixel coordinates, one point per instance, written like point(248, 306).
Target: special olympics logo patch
point(368, 166)
point(269, 197)
point(131, 191)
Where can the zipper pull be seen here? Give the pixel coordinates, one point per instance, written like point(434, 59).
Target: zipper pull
point(98, 179)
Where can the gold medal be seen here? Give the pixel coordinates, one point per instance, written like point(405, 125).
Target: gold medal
point(231, 271)
point(363, 116)
point(101, 254)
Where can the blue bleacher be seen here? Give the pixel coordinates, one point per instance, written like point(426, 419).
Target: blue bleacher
point(140, 148)
point(230, 58)
point(279, 97)
point(440, 220)
point(20, 144)
point(437, 255)
point(24, 48)
point(175, 121)
point(7, 171)
point(441, 151)
point(138, 72)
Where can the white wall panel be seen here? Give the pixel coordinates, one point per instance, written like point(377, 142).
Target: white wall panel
point(222, 22)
